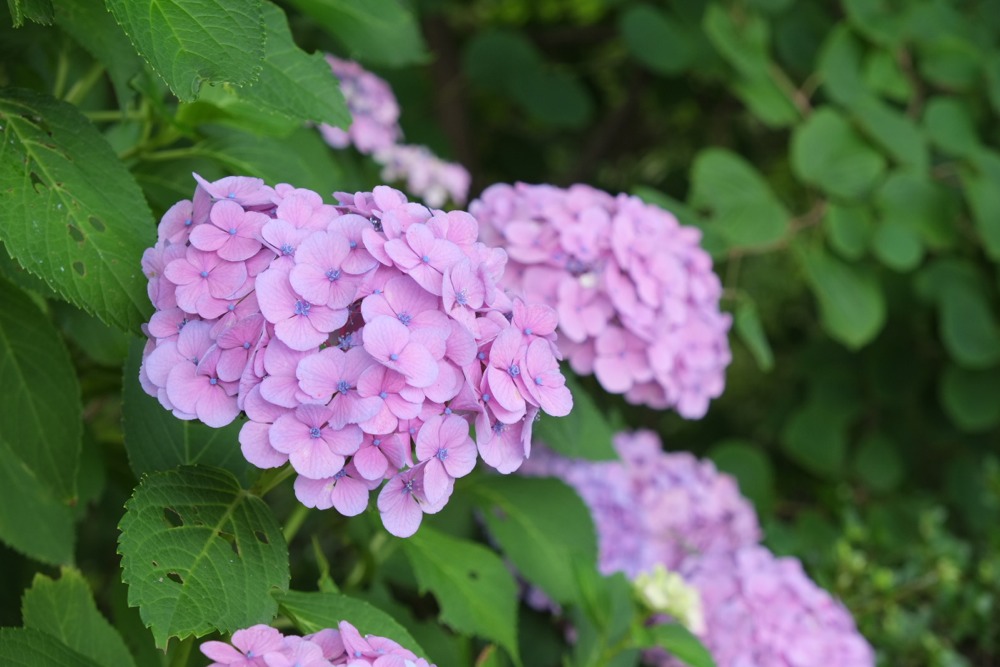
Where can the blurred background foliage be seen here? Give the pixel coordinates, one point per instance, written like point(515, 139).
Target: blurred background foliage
point(843, 161)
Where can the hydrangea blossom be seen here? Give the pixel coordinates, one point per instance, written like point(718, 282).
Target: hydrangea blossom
point(762, 611)
point(638, 302)
point(375, 131)
point(263, 646)
point(653, 508)
point(361, 340)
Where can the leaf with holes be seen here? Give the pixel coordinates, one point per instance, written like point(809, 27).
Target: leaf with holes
point(473, 587)
point(26, 647)
point(187, 42)
point(200, 554)
point(312, 612)
point(65, 610)
point(156, 440)
point(72, 213)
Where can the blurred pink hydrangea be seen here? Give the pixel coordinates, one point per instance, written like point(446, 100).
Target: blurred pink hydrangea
point(638, 302)
point(651, 507)
point(347, 334)
point(375, 131)
point(263, 646)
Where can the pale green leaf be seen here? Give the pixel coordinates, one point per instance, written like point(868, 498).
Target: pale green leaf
point(828, 153)
point(188, 42)
point(582, 434)
point(475, 591)
point(25, 647)
point(72, 213)
point(200, 554)
point(65, 609)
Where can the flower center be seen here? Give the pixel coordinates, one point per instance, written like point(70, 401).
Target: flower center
point(213, 381)
point(203, 274)
point(514, 370)
point(405, 318)
point(340, 474)
point(246, 345)
point(394, 357)
point(302, 307)
point(353, 244)
point(527, 331)
point(461, 298)
point(425, 259)
point(383, 395)
point(442, 454)
point(343, 387)
point(314, 432)
point(333, 274)
point(538, 380)
point(187, 223)
point(376, 442)
point(287, 249)
point(232, 231)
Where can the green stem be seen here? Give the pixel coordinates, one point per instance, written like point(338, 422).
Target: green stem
point(80, 89)
point(271, 479)
point(172, 154)
point(62, 71)
point(180, 655)
point(112, 115)
point(295, 522)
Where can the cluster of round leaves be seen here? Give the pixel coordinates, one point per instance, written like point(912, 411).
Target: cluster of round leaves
point(638, 302)
point(654, 509)
point(263, 646)
point(375, 131)
point(347, 334)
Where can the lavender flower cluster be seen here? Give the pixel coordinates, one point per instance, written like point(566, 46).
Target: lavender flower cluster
point(346, 334)
point(263, 646)
point(375, 131)
point(638, 302)
point(653, 509)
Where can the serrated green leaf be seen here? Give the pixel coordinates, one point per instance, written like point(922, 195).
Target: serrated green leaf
point(312, 612)
point(840, 67)
point(38, 11)
point(65, 610)
point(749, 328)
point(828, 153)
point(190, 42)
point(39, 385)
point(743, 207)
point(540, 544)
point(476, 593)
point(156, 440)
point(72, 213)
point(583, 433)
point(949, 126)
point(982, 191)
point(25, 647)
point(382, 32)
point(656, 39)
point(677, 641)
point(851, 302)
point(292, 83)
point(200, 554)
point(878, 463)
point(971, 398)
point(751, 467)
point(849, 229)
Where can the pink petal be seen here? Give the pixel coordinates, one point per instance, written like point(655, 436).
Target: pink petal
point(350, 496)
point(256, 446)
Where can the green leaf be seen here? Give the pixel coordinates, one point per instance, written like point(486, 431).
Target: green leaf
point(883, 75)
point(476, 593)
point(582, 434)
point(766, 100)
point(39, 385)
point(72, 213)
point(878, 20)
point(840, 67)
point(382, 32)
point(969, 328)
point(25, 647)
point(749, 328)
point(950, 127)
point(895, 132)
point(39, 11)
point(815, 435)
point(971, 398)
point(677, 641)
point(921, 205)
point(200, 554)
point(292, 83)
point(493, 59)
point(898, 246)
point(656, 39)
point(828, 153)
point(101, 343)
point(156, 440)
point(878, 463)
point(849, 229)
point(65, 610)
point(188, 42)
point(950, 62)
point(751, 467)
point(312, 612)
point(742, 39)
point(540, 544)
point(983, 194)
point(741, 204)
point(851, 302)
point(554, 97)
point(992, 66)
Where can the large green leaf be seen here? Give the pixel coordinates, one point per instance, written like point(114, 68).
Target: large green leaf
point(741, 37)
point(950, 127)
point(188, 42)
point(200, 554)
point(971, 398)
point(72, 213)
point(816, 433)
point(920, 204)
point(828, 153)
point(39, 386)
point(969, 328)
point(540, 543)
point(292, 83)
point(677, 641)
point(743, 207)
point(878, 463)
point(39, 11)
point(849, 229)
point(476, 593)
point(582, 434)
point(656, 39)
point(746, 322)
point(383, 32)
point(312, 612)
point(895, 132)
point(65, 610)
point(840, 67)
point(851, 302)
point(983, 195)
point(156, 440)
point(25, 647)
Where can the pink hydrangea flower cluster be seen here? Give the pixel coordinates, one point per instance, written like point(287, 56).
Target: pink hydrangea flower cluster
point(653, 508)
point(375, 131)
point(347, 334)
point(762, 611)
point(637, 299)
point(263, 646)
